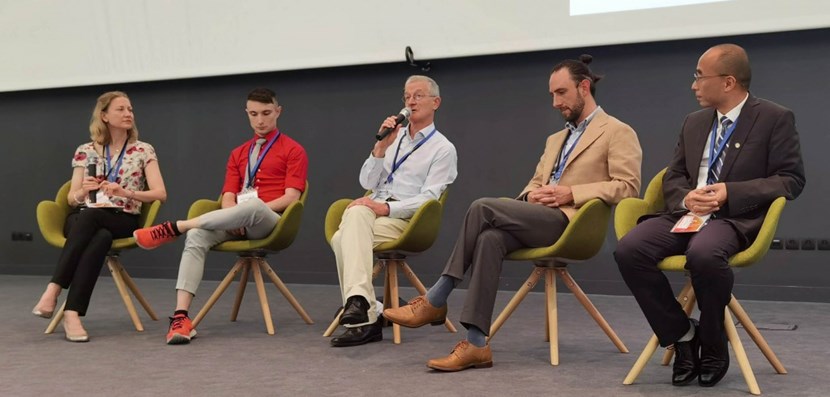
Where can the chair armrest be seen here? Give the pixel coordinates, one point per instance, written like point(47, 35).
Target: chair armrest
point(422, 229)
point(628, 211)
point(203, 206)
point(333, 217)
point(150, 217)
point(51, 217)
point(760, 246)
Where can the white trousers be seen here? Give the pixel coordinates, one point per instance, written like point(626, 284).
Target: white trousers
point(359, 232)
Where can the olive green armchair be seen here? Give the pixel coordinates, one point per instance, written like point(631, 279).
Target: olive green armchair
point(51, 218)
point(418, 237)
point(629, 211)
point(580, 241)
point(251, 259)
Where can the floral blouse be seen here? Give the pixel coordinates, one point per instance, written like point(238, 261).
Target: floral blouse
point(131, 175)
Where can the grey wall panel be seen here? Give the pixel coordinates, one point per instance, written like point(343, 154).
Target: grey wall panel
point(496, 110)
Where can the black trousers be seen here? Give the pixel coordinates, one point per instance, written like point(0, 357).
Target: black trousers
point(493, 228)
point(89, 233)
point(707, 256)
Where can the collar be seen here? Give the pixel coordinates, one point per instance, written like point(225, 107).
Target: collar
point(735, 112)
point(267, 136)
point(422, 132)
point(575, 129)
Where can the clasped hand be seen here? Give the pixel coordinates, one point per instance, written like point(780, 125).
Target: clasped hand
point(706, 200)
point(551, 196)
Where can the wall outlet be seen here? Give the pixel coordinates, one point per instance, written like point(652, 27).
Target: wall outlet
point(791, 244)
point(21, 236)
point(776, 244)
point(808, 244)
point(824, 244)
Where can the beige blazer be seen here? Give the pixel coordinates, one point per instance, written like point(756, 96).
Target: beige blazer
point(605, 163)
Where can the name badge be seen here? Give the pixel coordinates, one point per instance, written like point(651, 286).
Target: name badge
point(246, 194)
point(690, 223)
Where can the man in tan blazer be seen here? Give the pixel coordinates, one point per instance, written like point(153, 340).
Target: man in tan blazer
point(595, 156)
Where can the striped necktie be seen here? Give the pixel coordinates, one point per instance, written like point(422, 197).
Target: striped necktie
point(254, 157)
point(714, 171)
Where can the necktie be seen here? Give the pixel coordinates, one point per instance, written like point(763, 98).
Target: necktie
point(714, 172)
point(254, 156)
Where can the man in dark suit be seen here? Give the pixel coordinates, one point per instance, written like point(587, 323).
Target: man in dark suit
point(733, 159)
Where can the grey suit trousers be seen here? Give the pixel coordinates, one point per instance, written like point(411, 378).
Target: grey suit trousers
point(493, 228)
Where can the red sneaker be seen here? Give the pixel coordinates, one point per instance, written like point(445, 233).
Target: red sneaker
point(181, 330)
point(155, 236)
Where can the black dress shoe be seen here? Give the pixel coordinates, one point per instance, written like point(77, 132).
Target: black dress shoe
point(359, 335)
point(356, 311)
point(686, 359)
point(714, 361)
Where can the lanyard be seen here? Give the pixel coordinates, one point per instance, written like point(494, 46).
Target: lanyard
point(397, 164)
point(252, 172)
point(109, 174)
point(713, 154)
point(563, 157)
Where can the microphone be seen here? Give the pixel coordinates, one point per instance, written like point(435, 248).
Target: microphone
point(403, 115)
point(92, 170)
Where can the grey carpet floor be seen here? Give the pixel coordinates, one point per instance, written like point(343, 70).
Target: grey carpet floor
point(240, 359)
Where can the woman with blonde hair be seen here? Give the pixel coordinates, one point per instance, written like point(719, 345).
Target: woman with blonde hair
point(127, 176)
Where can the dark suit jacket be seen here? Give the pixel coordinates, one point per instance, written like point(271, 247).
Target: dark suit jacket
point(763, 162)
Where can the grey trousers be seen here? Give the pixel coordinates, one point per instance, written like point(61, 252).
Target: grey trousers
point(257, 219)
point(493, 228)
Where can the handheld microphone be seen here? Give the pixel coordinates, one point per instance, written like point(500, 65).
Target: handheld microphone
point(92, 170)
point(403, 115)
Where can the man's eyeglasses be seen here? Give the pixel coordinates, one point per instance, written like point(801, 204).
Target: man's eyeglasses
point(699, 77)
point(416, 97)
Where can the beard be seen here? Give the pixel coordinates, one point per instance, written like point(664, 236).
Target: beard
point(576, 109)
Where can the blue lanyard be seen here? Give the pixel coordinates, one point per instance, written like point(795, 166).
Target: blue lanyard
point(112, 176)
point(563, 157)
point(252, 172)
point(713, 154)
point(397, 164)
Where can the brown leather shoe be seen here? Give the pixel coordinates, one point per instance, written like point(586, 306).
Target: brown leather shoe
point(464, 355)
point(417, 313)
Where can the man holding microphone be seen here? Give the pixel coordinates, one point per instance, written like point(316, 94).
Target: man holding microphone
point(406, 168)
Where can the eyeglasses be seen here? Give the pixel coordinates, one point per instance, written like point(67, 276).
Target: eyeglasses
point(698, 77)
point(416, 97)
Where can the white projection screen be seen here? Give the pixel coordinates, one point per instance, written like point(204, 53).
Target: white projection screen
point(60, 43)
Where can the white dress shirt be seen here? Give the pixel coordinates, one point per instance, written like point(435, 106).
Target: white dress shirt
point(703, 170)
point(422, 176)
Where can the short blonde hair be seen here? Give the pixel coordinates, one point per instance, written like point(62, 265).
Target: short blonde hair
point(98, 131)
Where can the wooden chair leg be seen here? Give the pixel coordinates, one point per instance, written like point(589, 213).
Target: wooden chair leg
point(56, 319)
point(516, 300)
point(553, 315)
point(392, 277)
point(136, 292)
point(336, 322)
point(284, 290)
point(219, 291)
point(756, 336)
point(592, 310)
point(419, 286)
point(687, 299)
point(641, 362)
point(114, 268)
point(263, 300)
point(740, 354)
point(240, 290)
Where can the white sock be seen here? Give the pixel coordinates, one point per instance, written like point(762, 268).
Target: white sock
point(689, 334)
